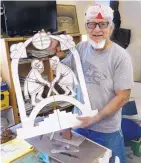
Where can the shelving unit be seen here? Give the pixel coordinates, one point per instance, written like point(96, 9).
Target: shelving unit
point(24, 67)
point(29, 61)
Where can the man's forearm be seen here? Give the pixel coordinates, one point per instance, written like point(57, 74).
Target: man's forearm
point(115, 104)
point(122, 96)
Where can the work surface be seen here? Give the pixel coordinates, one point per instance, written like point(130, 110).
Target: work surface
point(88, 151)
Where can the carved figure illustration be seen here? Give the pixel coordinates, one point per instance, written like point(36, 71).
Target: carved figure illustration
point(64, 76)
point(34, 83)
point(20, 48)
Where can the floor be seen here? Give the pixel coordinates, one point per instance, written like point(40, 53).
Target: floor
point(134, 160)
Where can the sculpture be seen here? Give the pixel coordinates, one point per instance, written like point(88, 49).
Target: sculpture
point(57, 120)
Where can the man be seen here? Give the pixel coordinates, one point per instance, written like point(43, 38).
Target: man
point(109, 78)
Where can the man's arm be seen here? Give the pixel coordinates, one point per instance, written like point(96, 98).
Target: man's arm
point(122, 97)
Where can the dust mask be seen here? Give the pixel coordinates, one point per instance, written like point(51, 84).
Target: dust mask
point(99, 45)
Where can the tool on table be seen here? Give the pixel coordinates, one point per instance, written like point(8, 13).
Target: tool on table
point(41, 137)
point(44, 157)
point(56, 159)
point(52, 135)
point(68, 154)
point(60, 146)
point(67, 147)
point(64, 150)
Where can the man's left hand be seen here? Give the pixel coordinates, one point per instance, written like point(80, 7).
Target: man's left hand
point(88, 120)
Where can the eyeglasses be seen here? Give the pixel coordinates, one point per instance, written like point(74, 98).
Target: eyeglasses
point(102, 25)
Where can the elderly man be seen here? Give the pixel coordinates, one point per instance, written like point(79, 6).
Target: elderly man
point(109, 78)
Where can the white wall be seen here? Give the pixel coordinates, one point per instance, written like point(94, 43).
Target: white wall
point(81, 8)
point(130, 12)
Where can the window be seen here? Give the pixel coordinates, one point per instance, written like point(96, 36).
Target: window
point(105, 2)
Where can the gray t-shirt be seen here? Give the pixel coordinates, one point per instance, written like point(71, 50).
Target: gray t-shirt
point(104, 72)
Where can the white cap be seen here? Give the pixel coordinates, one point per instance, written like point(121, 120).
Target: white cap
point(99, 12)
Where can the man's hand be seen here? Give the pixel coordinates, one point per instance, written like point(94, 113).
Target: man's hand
point(88, 120)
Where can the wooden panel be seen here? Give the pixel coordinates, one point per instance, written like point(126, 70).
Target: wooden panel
point(6, 73)
point(48, 70)
point(77, 39)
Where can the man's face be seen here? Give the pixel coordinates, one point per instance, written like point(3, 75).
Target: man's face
point(99, 32)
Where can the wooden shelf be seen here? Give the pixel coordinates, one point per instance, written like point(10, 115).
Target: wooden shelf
point(15, 39)
point(26, 37)
point(29, 60)
point(75, 34)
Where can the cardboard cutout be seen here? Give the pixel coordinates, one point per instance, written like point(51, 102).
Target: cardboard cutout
point(59, 119)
